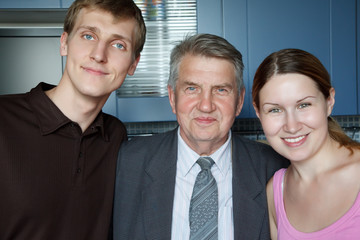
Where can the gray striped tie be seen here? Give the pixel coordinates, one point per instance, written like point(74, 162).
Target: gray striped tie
point(203, 215)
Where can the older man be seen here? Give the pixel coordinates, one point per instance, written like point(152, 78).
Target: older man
point(199, 181)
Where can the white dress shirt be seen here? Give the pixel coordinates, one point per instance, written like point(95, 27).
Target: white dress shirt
point(186, 172)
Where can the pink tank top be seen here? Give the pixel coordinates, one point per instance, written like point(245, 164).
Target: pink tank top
point(346, 228)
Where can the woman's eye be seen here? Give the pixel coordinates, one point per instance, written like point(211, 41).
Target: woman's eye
point(304, 105)
point(118, 45)
point(274, 110)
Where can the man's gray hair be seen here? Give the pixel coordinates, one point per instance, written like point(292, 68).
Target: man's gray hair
point(206, 45)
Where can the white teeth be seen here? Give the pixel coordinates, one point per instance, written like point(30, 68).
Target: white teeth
point(294, 140)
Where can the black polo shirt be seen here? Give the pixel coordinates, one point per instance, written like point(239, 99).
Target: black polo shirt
point(55, 181)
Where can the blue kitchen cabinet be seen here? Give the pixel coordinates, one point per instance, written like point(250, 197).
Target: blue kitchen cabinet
point(30, 3)
point(325, 28)
point(344, 57)
point(329, 29)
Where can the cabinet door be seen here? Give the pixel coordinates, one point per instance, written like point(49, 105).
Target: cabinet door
point(30, 3)
point(325, 28)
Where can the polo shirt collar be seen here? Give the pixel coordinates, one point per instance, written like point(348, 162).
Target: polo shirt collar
point(49, 116)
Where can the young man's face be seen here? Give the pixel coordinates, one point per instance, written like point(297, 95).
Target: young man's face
point(100, 53)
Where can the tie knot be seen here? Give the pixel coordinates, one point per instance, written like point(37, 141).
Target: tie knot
point(205, 162)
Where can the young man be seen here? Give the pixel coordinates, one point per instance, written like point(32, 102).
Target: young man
point(164, 190)
point(58, 150)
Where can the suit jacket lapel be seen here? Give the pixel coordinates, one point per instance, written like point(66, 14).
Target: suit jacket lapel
point(158, 198)
point(248, 193)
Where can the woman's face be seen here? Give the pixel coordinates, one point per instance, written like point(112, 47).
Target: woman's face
point(293, 113)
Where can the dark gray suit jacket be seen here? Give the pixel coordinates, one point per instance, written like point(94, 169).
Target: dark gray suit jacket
point(145, 184)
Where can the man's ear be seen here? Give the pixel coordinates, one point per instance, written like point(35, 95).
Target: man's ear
point(240, 102)
point(171, 94)
point(133, 66)
point(63, 43)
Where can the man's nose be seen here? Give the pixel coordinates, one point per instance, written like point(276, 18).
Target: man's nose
point(206, 103)
point(98, 53)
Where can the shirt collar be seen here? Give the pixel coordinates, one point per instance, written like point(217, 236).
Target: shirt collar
point(49, 116)
point(189, 157)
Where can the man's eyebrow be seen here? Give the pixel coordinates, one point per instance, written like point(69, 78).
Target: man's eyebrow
point(93, 29)
point(186, 82)
point(223, 85)
point(97, 30)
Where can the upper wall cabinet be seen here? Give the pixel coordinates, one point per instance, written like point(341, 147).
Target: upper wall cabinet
point(325, 28)
point(30, 3)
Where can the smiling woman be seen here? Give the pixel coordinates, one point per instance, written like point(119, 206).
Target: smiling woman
point(291, 107)
point(293, 98)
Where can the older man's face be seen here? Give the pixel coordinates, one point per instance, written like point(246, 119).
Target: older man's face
point(206, 100)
